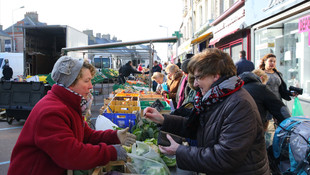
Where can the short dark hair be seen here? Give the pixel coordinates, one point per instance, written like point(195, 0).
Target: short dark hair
point(212, 61)
point(242, 52)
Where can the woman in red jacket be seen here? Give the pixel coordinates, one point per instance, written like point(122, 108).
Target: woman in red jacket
point(56, 138)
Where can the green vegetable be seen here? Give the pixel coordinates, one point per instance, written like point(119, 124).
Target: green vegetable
point(170, 162)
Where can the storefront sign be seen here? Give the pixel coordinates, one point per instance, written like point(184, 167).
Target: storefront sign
point(304, 24)
point(231, 23)
point(257, 11)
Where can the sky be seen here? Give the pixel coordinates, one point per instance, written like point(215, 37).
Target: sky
point(128, 20)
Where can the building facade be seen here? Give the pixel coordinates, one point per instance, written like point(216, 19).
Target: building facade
point(30, 19)
point(5, 41)
point(282, 28)
point(207, 22)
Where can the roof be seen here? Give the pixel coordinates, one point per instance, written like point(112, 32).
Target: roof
point(27, 21)
point(3, 33)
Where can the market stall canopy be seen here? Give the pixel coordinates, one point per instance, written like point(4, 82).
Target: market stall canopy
point(202, 38)
point(120, 44)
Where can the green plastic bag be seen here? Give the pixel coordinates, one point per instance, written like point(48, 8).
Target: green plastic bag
point(297, 109)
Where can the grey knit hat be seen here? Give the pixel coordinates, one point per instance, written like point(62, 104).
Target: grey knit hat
point(66, 69)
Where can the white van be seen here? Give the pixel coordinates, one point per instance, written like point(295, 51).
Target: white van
point(16, 62)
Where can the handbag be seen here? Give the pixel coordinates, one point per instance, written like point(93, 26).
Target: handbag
point(297, 109)
point(285, 94)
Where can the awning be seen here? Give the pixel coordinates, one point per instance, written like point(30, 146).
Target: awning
point(201, 38)
point(213, 41)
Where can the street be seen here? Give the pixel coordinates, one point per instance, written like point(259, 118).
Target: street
point(8, 137)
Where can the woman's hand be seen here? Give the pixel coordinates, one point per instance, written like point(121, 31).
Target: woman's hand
point(170, 150)
point(154, 115)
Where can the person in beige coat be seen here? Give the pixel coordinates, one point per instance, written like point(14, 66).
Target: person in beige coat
point(174, 75)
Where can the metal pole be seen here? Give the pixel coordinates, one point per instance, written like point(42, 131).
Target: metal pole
point(150, 66)
point(13, 40)
point(13, 43)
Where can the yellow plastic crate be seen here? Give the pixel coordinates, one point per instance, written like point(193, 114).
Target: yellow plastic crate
point(127, 94)
point(126, 109)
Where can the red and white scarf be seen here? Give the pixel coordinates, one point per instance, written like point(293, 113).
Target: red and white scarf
point(217, 93)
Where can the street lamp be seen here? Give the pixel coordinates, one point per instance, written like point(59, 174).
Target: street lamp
point(167, 37)
point(13, 40)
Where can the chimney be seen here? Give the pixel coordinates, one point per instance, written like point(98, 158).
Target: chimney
point(33, 16)
point(98, 35)
point(106, 36)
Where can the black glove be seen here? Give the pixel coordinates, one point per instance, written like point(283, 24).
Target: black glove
point(121, 152)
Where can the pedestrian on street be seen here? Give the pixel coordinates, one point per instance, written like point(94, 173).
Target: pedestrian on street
point(56, 138)
point(225, 122)
point(7, 71)
point(244, 65)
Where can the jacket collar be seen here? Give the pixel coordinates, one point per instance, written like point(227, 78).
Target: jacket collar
point(67, 97)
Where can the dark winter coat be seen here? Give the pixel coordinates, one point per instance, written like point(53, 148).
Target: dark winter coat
point(7, 72)
point(230, 138)
point(127, 69)
point(265, 99)
point(244, 65)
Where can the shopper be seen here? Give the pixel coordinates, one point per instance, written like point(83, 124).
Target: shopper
point(244, 65)
point(226, 122)
point(174, 75)
point(160, 79)
point(183, 88)
point(56, 138)
point(265, 99)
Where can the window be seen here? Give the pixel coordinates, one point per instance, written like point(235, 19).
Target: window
point(102, 62)
point(235, 49)
point(1, 60)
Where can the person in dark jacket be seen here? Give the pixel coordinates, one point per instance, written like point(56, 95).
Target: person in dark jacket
point(125, 71)
point(225, 122)
point(265, 99)
point(244, 65)
point(155, 68)
point(179, 63)
point(7, 71)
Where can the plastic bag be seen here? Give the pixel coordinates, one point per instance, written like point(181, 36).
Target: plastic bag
point(297, 109)
point(103, 123)
point(143, 165)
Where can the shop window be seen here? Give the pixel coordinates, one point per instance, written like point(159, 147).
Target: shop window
point(227, 50)
point(235, 50)
point(292, 50)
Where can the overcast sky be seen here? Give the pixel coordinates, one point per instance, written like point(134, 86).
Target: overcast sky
point(128, 20)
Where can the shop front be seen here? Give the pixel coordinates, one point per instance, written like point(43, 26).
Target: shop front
point(285, 34)
point(230, 32)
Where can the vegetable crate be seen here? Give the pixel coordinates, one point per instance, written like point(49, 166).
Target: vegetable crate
point(122, 120)
point(145, 104)
point(119, 165)
point(127, 109)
